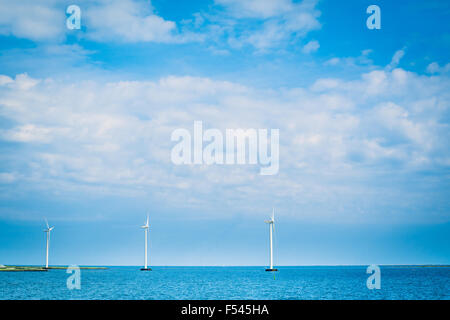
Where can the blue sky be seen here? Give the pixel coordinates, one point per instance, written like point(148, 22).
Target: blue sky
point(86, 117)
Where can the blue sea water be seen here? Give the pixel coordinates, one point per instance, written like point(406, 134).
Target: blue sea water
point(179, 283)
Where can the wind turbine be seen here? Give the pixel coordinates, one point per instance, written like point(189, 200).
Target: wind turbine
point(271, 226)
point(146, 227)
point(48, 241)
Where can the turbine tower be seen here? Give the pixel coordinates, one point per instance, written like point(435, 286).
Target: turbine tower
point(146, 227)
point(271, 226)
point(48, 242)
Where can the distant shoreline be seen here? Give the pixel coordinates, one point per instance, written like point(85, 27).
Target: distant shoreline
point(11, 268)
point(417, 266)
point(40, 269)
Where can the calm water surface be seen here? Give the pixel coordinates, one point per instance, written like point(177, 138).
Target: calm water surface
point(229, 283)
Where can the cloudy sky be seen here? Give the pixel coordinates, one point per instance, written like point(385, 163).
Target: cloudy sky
point(86, 118)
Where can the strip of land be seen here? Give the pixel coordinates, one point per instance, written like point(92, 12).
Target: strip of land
point(34, 268)
point(20, 268)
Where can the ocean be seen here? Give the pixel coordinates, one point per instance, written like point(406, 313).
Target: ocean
point(202, 283)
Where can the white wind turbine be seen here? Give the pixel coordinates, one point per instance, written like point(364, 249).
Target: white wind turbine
point(146, 227)
point(48, 242)
point(271, 227)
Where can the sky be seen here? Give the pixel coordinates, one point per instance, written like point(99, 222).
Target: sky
point(86, 117)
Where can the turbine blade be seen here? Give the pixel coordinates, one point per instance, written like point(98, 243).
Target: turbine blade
point(273, 214)
point(46, 222)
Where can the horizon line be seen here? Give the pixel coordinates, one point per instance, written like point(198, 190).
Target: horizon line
point(235, 266)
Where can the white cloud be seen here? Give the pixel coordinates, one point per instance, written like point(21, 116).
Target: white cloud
point(28, 133)
point(35, 20)
point(127, 21)
point(397, 119)
point(115, 136)
point(325, 84)
point(398, 55)
point(362, 59)
point(277, 22)
point(311, 46)
point(332, 62)
point(435, 68)
point(261, 24)
point(5, 80)
point(257, 8)
point(101, 20)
